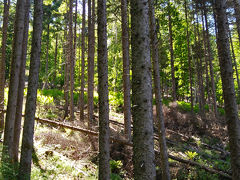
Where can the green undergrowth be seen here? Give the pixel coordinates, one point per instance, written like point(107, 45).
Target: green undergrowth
point(60, 156)
point(116, 100)
point(57, 166)
point(58, 95)
point(186, 106)
point(50, 158)
point(202, 155)
point(117, 171)
point(195, 174)
point(55, 156)
point(57, 151)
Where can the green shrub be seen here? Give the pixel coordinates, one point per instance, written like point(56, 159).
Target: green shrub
point(221, 111)
point(191, 155)
point(116, 100)
point(116, 170)
point(44, 100)
point(114, 176)
point(166, 102)
point(55, 93)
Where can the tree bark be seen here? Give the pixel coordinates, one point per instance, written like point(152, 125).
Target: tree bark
point(83, 58)
point(3, 59)
point(234, 61)
point(206, 59)
point(143, 144)
point(104, 155)
point(28, 129)
point(210, 58)
point(45, 86)
point(126, 70)
point(237, 16)
point(156, 76)
point(18, 118)
point(7, 153)
point(229, 96)
point(75, 32)
point(174, 94)
point(66, 76)
point(189, 57)
point(55, 62)
point(198, 42)
point(91, 52)
point(71, 59)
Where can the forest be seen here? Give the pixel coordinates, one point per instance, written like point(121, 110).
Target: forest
point(119, 89)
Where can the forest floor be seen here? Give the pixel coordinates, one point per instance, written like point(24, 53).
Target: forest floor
point(63, 153)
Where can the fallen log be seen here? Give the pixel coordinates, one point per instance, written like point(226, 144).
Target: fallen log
point(89, 132)
point(125, 142)
point(193, 163)
point(177, 133)
point(85, 131)
point(182, 135)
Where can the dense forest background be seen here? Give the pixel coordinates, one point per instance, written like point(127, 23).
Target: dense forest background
point(101, 77)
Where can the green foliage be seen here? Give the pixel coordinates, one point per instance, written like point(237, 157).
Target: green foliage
point(54, 93)
point(191, 155)
point(45, 106)
point(115, 165)
point(116, 171)
point(185, 106)
point(116, 100)
point(52, 157)
point(58, 166)
point(44, 100)
point(166, 102)
point(7, 169)
point(114, 176)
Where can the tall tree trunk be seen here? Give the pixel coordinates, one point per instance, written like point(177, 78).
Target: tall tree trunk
point(126, 69)
point(83, 57)
point(18, 118)
point(204, 39)
point(71, 59)
point(79, 63)
point(229, 96)
point(2, 60)
point(7, 153)
point(160, 119)
point(45, 86)
point(28, 129)
point(75, 32)
point(199, 67)
point(234, 61)
point(174, 94)
point(91, 53)
point(55, 62)
point(66, 76)
point(104, 155)
point(189, 57)
point(210, 58)
point(237, 16)
point(143, 144)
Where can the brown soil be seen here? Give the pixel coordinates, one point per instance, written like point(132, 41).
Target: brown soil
point(177, 122)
